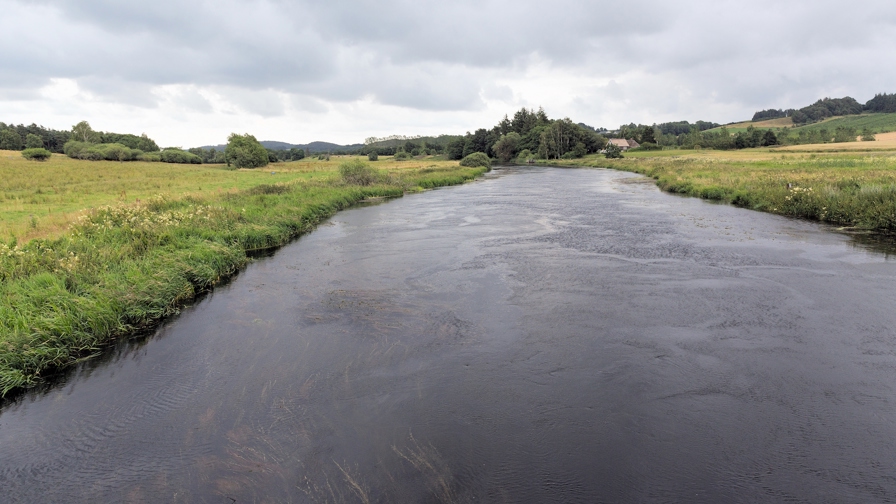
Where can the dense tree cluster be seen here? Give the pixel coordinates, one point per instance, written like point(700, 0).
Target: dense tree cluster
point(827, 107)
point(529, 131)
point(882, 103)
point(764, 115)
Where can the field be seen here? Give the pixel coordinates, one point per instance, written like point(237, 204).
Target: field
point(781, 122)
point(118, 246)
point(878, 123)
point(882, 142)
point(849, 189)
point(41, 199)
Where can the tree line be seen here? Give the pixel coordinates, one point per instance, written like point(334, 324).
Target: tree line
point(19, 137)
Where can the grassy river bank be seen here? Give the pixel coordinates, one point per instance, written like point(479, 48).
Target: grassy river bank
point(127, 244)
point(852, 188)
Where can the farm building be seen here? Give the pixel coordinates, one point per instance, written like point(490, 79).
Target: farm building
point(624, 144)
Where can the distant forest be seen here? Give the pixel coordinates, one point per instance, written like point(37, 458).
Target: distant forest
point(830, 107)
point(18, 137)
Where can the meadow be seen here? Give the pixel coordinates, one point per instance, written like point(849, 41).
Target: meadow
point(850, 189)
point(97, 250)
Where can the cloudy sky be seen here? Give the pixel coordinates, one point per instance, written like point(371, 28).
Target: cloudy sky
point(189, 72)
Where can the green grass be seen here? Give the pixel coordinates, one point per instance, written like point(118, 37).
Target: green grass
point(847, 189)
point(878, 123)
point(122, 267)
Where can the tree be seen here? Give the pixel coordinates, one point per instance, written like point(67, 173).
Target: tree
point(507, 146)
point(33, 141)
point(613, 151)
point(455, 148)
point(82, 132)
point(648, 135)
point(10, 140)
point(245, 151)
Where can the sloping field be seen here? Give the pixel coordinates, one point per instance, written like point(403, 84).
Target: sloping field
point(878, 123)
point(882, 142)
point(781, 122)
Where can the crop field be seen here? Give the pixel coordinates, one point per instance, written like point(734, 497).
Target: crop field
point(848, 189)
point(878, 123)
point(42, 199)
point(116, 247)
point(779, 123)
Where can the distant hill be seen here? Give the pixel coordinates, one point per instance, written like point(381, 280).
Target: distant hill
point(311, 147)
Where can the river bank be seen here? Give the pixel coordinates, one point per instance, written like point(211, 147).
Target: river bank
point(848, 189)
point(122, 268)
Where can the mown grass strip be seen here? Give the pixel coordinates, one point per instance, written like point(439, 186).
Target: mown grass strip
point(125, 267)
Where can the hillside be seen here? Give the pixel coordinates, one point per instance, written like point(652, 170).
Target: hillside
point(878, 123)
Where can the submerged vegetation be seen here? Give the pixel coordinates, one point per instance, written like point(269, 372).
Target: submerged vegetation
point(121, 267)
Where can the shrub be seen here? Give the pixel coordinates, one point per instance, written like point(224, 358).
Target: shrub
point(36, 154)
point(244, 151)
point(373, 156)
point(476, 159)
point(97, 152)
point(525, 155)
point(150, 157)
point(181, 156)
point(402, 156)
point(358, 172)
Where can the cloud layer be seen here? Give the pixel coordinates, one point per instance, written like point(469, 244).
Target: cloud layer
point(190, 71)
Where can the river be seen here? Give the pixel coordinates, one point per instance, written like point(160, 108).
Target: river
point(539, 335)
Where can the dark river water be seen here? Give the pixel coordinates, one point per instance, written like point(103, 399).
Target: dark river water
point(540, 335)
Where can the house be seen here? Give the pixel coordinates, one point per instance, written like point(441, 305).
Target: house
point(624, 144)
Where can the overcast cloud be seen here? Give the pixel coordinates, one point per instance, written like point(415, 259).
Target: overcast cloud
point(189, 72)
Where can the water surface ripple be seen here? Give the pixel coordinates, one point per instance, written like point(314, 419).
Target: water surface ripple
point(541, 335)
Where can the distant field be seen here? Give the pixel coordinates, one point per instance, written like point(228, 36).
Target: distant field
point(878, 123)
point(41, 199)
point(882, 142)
point(781, 122)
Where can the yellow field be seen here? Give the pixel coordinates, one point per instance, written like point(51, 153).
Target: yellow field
point(780, 122)
point(883, 141)
point(41, 199)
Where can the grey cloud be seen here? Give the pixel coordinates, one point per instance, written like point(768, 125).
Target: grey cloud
point(444, 55)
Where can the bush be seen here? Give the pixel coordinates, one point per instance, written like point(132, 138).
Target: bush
point(373, 156)
point(36, 154)
point(244, 151)
point(98, 152)
point(358, 172)
point(180, 156)
point(476, 159)
point(402, 156)
point(525, 155)
point(150, 157)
